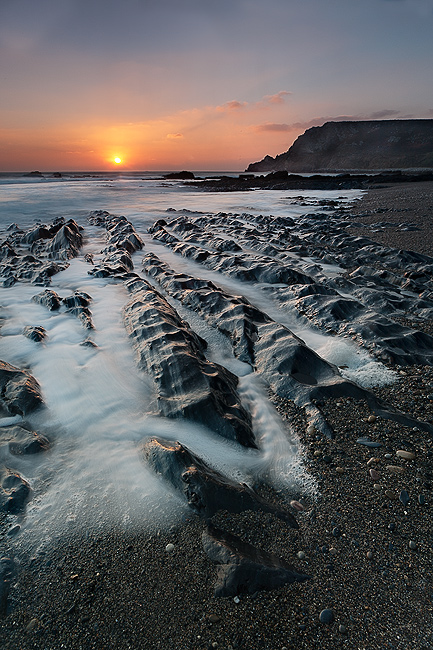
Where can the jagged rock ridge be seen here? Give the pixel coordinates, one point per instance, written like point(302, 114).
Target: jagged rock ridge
point(356, 145)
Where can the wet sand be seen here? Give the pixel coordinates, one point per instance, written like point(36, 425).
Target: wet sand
point(384, 209)
point(367, 548)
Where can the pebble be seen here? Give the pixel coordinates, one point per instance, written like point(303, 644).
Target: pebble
point(374, 474)
point(404, 497)
point(169, 548)
point(333, 551)
point(377, 486)
point(371, 418)
point(214, 618)
point(237, 599)
point(391, 495)
point(32, 624)
point(326, 616)
point(407, 455)
point(297, 505)
point(368, 443)
point(300, 555)
point(369, 555)
point(342, 629)
point(311, 429)
point(412, 545)
point(395, 469)
point(388, 456)
point(421, 499)
point(336, 531)
point(339, 470)
point(14, 530)
point(372, 460)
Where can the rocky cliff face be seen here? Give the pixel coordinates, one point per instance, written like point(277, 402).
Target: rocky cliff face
point(373, 145)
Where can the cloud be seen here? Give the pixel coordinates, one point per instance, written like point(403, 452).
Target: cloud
point(233, 105)
point(271, 126)
point(278, 98)
point(174, 136)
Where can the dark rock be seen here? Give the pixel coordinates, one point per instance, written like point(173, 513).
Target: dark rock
point(20, 393)
point(188, 385)
point(327, 616)
point(206, 490)
point(289, 367)
point(35, 333)
point(49, 299)
point(244, 569)
point(122, 240)
point(77, 304)
point(184, 175)
point(66, 243)
point(39, 232)
point(14, 492)
point(21, 441)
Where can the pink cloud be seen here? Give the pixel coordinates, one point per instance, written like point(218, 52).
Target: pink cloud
point(278, 98)
point(233, 105)
point(174, 136)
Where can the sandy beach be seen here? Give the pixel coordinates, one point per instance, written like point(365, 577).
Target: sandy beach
point(366, 541)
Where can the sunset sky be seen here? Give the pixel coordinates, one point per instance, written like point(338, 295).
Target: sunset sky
point(200, 84)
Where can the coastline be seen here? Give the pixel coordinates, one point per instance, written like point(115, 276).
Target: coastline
point(123, 590)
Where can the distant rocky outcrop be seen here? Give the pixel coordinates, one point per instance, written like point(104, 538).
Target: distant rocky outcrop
point(357, 145)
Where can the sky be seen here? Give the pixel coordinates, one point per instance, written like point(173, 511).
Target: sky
point(200, 84)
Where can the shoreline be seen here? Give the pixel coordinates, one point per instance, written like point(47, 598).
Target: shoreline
point(121, 589)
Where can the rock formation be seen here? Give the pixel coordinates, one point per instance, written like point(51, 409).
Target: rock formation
point(360, 145)
point(20, 393)
point(244, 569)
point(187, 384)
point(39, 253)
point(206, 490)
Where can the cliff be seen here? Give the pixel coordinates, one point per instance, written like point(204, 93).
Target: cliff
point(344, 146)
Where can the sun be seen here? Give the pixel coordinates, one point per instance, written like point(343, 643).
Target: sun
point(117, 160)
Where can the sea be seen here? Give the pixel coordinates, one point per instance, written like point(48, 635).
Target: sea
point(99, 406)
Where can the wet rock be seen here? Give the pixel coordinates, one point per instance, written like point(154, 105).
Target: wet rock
point(14, 492)
point(327, 616)
point(35, 333)
point(290, 368)
point(78, 305)
point(39, 232)
point(122, 242)
point(21, 441)
point(48, 298)
point(66, 242)
point(404, 497)
point(187, 384)
point(244, 569)
point(20, 393)
point(206, 490)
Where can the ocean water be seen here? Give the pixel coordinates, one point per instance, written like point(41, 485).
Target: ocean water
point(100, 407)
